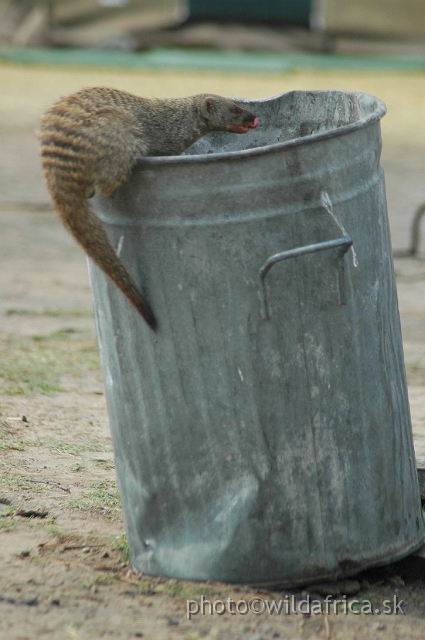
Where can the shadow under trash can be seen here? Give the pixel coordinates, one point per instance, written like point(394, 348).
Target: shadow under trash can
point(263, 436)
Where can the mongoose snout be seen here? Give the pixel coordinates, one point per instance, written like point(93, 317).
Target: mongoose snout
point(235, 120)
point(93, 139)
point(245, 127)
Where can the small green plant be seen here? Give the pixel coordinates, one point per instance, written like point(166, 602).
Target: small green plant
point(18, 483)
point(104, 498)
point(103, 578)
point(104, 463)
point(57, 533)
point(175, 588)
point(121, 543)
point(18, 444)
point(147, 587)
point(57, 446)
point(15, 446)
point(7, 519)
point(7, 524)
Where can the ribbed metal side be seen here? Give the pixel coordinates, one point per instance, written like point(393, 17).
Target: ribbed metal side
point(264, 451)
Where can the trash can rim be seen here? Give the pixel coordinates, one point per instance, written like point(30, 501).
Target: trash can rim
point(379, 111)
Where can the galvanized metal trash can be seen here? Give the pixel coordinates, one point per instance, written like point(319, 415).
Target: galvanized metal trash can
point(263, 435)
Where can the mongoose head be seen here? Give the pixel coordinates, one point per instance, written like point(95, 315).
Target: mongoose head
point(222, 114)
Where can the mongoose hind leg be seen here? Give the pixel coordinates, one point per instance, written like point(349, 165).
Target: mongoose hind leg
point(114, 149)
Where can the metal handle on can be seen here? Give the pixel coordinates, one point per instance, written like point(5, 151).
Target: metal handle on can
point(344, 244)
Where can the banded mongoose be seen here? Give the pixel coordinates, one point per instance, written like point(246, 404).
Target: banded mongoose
point(93, 138)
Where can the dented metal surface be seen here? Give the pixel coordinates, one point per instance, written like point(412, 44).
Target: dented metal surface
point(263, 451)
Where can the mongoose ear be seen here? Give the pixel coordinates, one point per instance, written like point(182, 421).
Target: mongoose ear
point(207, 108)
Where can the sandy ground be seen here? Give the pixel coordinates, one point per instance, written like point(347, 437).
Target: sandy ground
point(64, 571)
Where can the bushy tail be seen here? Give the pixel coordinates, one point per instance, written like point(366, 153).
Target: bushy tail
point(89, 233)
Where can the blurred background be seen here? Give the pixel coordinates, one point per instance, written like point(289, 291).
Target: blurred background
point(342, 26)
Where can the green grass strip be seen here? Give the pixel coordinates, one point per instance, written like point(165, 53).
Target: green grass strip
point(204, 59)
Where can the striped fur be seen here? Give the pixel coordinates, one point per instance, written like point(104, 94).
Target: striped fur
point(93, 138)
